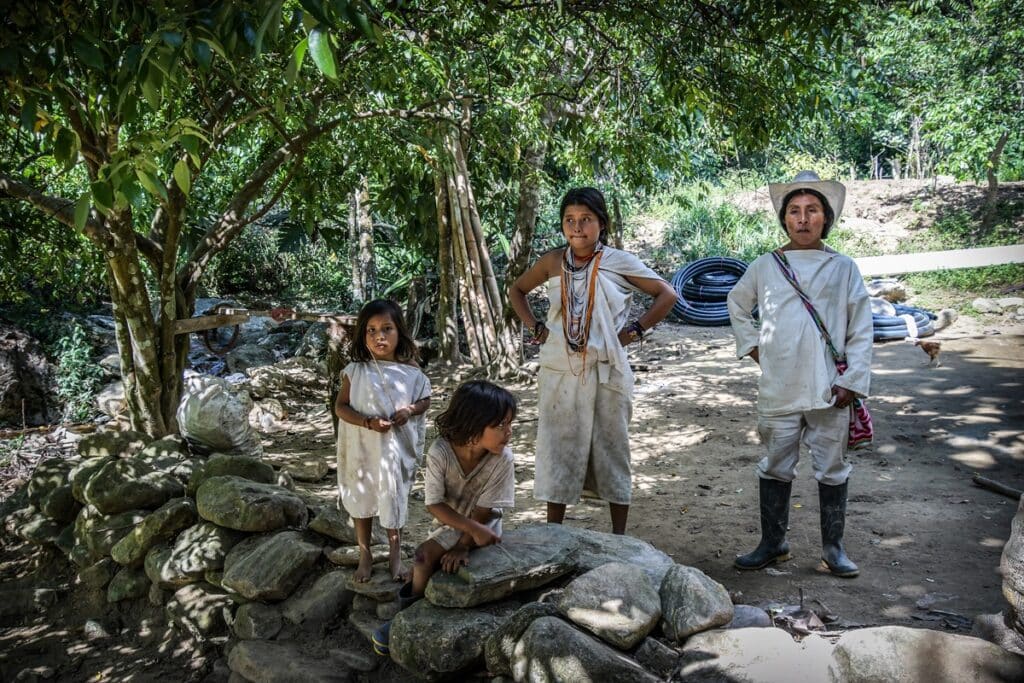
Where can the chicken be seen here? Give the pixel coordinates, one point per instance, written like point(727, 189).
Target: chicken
point(932, 348)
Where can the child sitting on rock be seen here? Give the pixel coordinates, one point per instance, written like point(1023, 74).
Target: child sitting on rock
point(470, 479)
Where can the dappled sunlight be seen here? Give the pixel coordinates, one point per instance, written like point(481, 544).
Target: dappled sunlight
point(897, 612)
point(896, 541)
point(990, 542)
point(976, 459)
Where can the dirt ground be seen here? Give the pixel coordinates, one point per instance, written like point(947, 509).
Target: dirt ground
point(927, 540)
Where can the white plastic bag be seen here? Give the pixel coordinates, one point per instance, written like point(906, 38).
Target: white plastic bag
point(214, 416)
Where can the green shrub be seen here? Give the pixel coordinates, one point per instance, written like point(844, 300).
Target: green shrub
point(249, 265)
point(78, 378)
point(721, 229)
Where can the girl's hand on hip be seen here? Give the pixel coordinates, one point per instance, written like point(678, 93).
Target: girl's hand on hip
point(843, 397)
point(401, 416)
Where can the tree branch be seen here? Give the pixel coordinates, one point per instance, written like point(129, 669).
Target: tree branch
point(58, 208)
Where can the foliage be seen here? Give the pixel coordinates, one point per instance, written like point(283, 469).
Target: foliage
point(78, 378)
point(721, 229)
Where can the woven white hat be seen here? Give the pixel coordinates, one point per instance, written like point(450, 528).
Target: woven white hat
point(834, 192)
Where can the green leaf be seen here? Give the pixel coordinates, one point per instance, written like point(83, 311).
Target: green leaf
point(322, 54)
point(82, 211)
point(316, 8)
point(28, 115)
point(182, 176)
point(102, 194)
point(172, 38)
point(191, 145)
point(133, 193)
point(295, 63)
point(273, 17)
point(203, 54)
point(65, 146)
point(151, 183)
point(88, 53)
point(152, 80)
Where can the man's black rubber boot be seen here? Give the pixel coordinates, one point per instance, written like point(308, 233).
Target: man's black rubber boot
point(774, 495)
point(832, 500)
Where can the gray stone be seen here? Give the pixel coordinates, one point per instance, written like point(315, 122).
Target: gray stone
point(657, 657)
point(202, 548)
point(999, 630)
point(500, 645)
point(434, 641)
point(129, 484)
point(35, 527)
point(616, 602)
point(48, 476)
point(552, 650)
point(112, 443)
point(97, 576)
point(756, 655)
point(158, 597)
point(747, 616)
point(164, 572)
point(245, 505)
point(81, 473)
point(1011, 564)
point(65, 540)
point(96, 533)
point(335, 523)
point(597, 548)
point(365, 623)
point(357, 660)
point(165, 454)
point(214, 577)
point(314, 342)
point(60, 505)
point(691, 602)
point(130, 583)
point(26, 380)
point(526, 558)
point(266, 661)
point(269, 567)
point(160, 526)
point(387, 610)
point(201, 610)
point(220, 465)
point(110, 399)
point(982, 305)
point(248, 356)
point(380, 587)
point(348, 555)
point(16, 602)
point(321, 602)
point(256, 621)
point(291, 377)
point(311, 468)
point(898, 654)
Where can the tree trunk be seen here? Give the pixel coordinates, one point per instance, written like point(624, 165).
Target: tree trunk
point(616, 227)
point(358, 293)
point(992, 194)
point(446, 327)
point(360, 232)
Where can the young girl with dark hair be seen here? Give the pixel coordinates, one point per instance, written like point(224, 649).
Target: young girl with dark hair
point(383, 397)
point(470, 480)
point(585, 385)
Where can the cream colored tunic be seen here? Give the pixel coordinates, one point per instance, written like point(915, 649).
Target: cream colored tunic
point(584, 413)
point(375, 471)
point(491, 484)
point(797, 369)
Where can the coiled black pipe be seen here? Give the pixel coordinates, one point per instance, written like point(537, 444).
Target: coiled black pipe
point(888, 327)
point(703, 286)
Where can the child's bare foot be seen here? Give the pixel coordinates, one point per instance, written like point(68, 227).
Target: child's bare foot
point(365, 567)
point(399, 572)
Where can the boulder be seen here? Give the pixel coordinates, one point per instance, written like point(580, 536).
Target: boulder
point(321, 602)
point(82, 472)
point(220, 465)
point(434, 642)
point(597, 548)
point(130, 583)
point(241, 358)
point(201, 610)
point(747, 616)
point(334, 522)
point(129, 484)
point(26, 381)
point(269, 567)
point(309, 467)
point(1011, 566)
point(256, 621)
point(97, 576)
point(616, 602)
point(266, 661)
point(348, 555)
point(552, 650)
point(160, 526)
point(897, 654)
point(60, 505)
point(165, 455)
point(756, 655)
point(526, 558)
point(96, 533)
point(202, 548)
point(164, 572)
point(296, 376)
point(112, 443)
point(110, 400)
point(35, 527)
point(245, 505)
point(691, 602)
point(49, 475)
point(314, 342)
point(657, 657)
point(500, 645)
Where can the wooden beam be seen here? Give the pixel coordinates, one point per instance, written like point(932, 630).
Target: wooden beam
point(939, 260)
point(227, 317)
point(208, 322)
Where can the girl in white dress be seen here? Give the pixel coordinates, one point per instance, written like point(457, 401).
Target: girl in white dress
point(383, 398)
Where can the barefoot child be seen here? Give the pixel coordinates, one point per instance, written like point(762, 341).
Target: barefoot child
point(383, 397)
point(470, 479)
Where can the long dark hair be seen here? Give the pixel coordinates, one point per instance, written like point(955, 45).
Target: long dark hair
point(591, 198)
point(358, 351)
point(830, 215)
point(475, 406)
